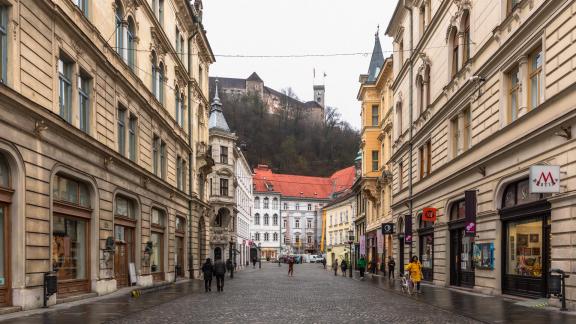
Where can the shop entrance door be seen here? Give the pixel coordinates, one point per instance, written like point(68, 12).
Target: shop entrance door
point(4, 257)
point(427, 255)
point(179, 256)
point(401, 256)
point(461, 266)
point(123, 255)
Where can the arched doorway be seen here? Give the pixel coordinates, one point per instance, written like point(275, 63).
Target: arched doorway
point(5, 201)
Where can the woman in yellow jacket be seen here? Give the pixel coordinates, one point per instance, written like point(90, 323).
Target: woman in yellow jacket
point(415, 270)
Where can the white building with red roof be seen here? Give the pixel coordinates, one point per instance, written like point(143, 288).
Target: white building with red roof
point(298, 201)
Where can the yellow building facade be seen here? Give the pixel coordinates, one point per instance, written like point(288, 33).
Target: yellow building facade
point(339, 219)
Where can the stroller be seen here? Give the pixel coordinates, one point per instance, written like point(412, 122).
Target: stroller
point(407, 285)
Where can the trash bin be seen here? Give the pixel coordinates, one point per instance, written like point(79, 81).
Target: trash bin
point(50, 286)
point(554, 285)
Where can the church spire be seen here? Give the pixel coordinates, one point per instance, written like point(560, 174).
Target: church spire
point(377, 59)
point(216, 104)
point(217, 119)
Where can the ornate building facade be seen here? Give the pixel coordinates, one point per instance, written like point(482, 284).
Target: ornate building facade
point(103, 145)
point(483, 94)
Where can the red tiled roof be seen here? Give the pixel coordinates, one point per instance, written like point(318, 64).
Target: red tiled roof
point(302, 186)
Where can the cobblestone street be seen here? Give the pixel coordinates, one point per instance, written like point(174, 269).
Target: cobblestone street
point(311, 296)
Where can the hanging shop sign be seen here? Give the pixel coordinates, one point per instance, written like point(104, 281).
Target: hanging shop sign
point(544, 178)
point(380, 242)
point(408, 228)
point(470, 212)
point(362, 245)
point(388, 228)
point(429, 214)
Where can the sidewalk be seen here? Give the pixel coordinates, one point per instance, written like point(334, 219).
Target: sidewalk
point(485, 308)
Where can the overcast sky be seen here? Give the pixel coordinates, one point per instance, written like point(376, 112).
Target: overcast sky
point(281, 27)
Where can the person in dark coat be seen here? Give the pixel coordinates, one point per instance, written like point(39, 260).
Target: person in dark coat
point(229, 266)
point(343, 267)
point(220, 272)
point(208, 270)
point(391, 266)
point(324, 263)
point(254, 259)
point(373, 265)
point(335, 266)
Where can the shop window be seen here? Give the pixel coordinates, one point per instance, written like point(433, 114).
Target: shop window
point(536, 89)
point(71, 191)
point(524, 255)
point(156, 264)
point(125, 207)
point(69, 247)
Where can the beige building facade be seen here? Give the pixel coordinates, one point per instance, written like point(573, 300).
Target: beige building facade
point(482, 93)
point(340, 216)
point(103, 145)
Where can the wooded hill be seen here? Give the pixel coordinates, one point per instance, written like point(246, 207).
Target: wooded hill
point(286, 141)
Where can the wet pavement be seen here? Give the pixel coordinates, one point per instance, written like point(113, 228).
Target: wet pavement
point(313, 295)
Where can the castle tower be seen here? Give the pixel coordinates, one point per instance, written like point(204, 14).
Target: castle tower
point(319, 91)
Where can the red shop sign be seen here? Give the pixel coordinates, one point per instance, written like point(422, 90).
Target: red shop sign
point(429, 214)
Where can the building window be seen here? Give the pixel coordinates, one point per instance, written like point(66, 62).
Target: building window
point(309, 224)
point(84, 102)
point(125, 208)
point(275, 220)
point(297, 239)
point(163, 160)
point(257, 219)
point(455, 52)
point(161, 83)
point(121, 130)
point(224, 187)
point(285, 206)
point(178, 172)
point(257, 236)
point(266, 237)
point(297, 223)
point(257, 203)
point(71, 191)
point(119, 17)
point(274, 203)
point(458, 211)
point(285, 223)
point(454, 135)
point(65, 89)
point(467, 131)
point(155, 154)
point(177, 105)
point(266, 203)
point(155, 84)
point(399, 119)
point(420, 93)
point(297, 206)
point(425, 159)
point(467, 38)
point(131, 34)
point(4, 173)
point(512, 4)
point(132, 122)
point(180, 110)
point(400, 175)
point(4, 43)
point(310, 207)
point(536, 76)
point(224, 160)
point(331, 220)
point(513, 94)
point(421, 19)
point(266, 219)
point(309, 239)
point(375, 155)
point(275, 237)
point(375, 115)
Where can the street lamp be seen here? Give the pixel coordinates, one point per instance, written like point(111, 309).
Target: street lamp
point(350, 241)
point(259, 255)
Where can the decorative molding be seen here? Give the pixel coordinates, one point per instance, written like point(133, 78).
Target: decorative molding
point(39, 127)
point(108, 161)
point(565, 132)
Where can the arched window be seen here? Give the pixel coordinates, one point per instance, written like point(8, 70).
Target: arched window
point(309, 206)
point(257, 219)
point(275, 203)
point(154, 74)
point(125, 207)
point(266, 219)
point(257, 202)
point(266, 236)
point(422, 224)
point(467, 39)
point(455, 50)
point(275, 237)
point(275, 220)
point(257, 236)
point(119, 16)
point(131, 34)
point(4, 172)
point(458, 210)
point(71, 191)
point(518, 193)
point(266, 203)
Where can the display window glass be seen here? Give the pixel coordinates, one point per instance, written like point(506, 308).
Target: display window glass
point(524, 248)
point(427, 257)
point(156, 257)
point(69, 247)
point(71, 191)
point(466, 252)
point(124, 207)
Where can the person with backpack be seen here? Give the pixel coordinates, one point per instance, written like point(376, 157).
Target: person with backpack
point(208, 270)
point(361, 264)
point(220, 272)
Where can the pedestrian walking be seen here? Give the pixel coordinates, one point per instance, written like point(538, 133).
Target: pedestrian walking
point(254, 262)
point(373, 266)
point(361, 264)
point(291, 267)
point(208, 270)
point(415, 270)
point(343, 267)
point(391, 266)
point(324, 263)
point(335, 266)
point(220, 272)
point(229, 267)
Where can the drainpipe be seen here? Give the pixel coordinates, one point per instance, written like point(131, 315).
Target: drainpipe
point(408, 7)
point(190, 157)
